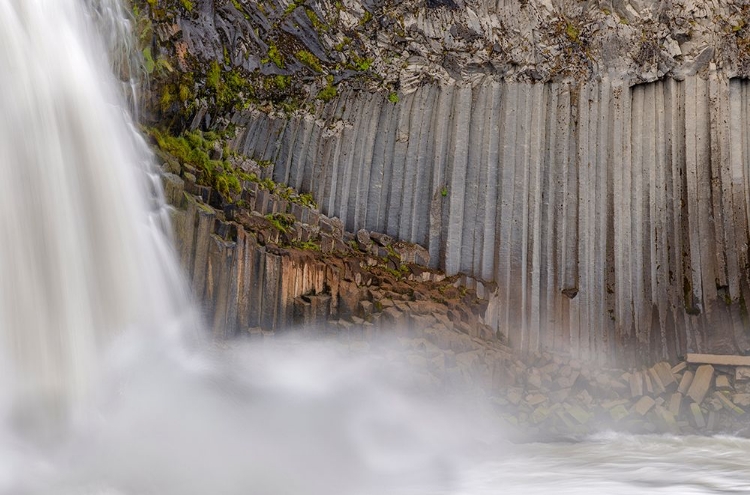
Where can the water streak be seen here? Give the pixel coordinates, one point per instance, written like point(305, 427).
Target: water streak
point(82, 256)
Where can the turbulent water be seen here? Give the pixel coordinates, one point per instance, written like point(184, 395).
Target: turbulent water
point(99, 394)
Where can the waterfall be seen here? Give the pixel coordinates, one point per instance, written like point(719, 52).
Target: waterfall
point(83, 251)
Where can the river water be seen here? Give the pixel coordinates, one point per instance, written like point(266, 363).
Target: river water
point(105, 389)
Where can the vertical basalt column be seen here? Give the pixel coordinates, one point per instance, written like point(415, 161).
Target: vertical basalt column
point(613, 219)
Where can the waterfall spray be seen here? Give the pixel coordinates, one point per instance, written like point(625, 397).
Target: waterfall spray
point(82, 254)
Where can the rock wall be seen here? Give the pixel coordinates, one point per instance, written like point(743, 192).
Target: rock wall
point(274, 265)
point(614, 219)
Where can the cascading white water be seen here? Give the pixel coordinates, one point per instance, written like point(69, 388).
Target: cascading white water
point(82, 252)
point(83, 257)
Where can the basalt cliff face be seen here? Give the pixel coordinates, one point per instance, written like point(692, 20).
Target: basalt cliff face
point(585, 163)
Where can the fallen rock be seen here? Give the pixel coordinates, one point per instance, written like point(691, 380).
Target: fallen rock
point(701, 383)
point(644, 405)
point(636, 385)
point(687, 380)
point(718, 359)
point(742, 373)
point(656, 383)
point(742, 400)
point(618, 412)
point(664, 371)
point(678, 368)
point(722, 382)
point(697, 414)
point(728, 404)
point(675, 401)
point(577, 413)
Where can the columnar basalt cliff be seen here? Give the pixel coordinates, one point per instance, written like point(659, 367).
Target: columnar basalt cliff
point(587, 160)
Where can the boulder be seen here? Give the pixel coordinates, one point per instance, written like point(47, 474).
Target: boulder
point(701, 383)
point(644, 405)
point(722, 383)
point(698, 419)
point(636, 385)
point(742, 373)
point(687, 380)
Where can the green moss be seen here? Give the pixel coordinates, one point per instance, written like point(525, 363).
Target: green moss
point(281, 82)
point(361, 64)
point(393, 98)
point(444, 191)
point(317, 24)
point(213, 76)
point(309, 60)
point(293, 6)
point(306, 245)
point(365, 18)
point(572, 32)
point(328, 93)
point(283, 222)
point(148, 60)
point(187, 4)
point(275, 56)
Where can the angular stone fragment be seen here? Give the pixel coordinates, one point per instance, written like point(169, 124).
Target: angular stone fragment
point(363, 240)
point(722, 382)
point(577, 412)
point(559, 395)
point(656, 383)
point(540, 414)
point(535, 399)
point(687, 380)
point(719, 359)
point(675, 401)
point(679, 367)
point(742, 373)
point(697, 414)
point(701, 383)
point(514, 395)
point(644, 405)
point(614, 403)
point(636, 385)
point(647, 382)
point(382, 239)
point(728, 404)
point(668, 419)
point(713, 416)
point(742, 400)
point(618, 412)
point(664, 371)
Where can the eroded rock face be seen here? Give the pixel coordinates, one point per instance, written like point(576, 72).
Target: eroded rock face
point(410, 43)
point(585, 159)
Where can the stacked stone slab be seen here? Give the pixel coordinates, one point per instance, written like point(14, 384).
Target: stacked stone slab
point(611, 217)
point(253, 277)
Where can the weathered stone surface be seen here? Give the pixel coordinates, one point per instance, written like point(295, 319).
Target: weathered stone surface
point(618, 412)
point(644, 405)
point(728, 404)
point(742, 400)
point(722, 360)
point(722, 382)
point(577, 413)
point(668, 420)
point(664, 372)
point(656, 383)
point(679, 368)
point(742, 373)
point(675, 403)
point(701, 383)
point(636, 385)
point(687, 380)
point(698, 419)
